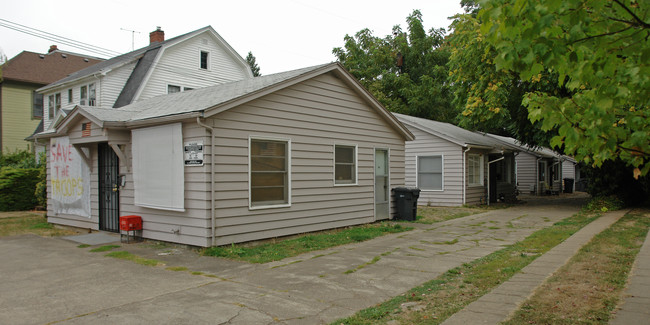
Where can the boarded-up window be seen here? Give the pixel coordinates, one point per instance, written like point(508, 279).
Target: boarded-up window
point(345, 165)
point(475, 169)
point(269, 172)
point(158, 172)
point(430, 173)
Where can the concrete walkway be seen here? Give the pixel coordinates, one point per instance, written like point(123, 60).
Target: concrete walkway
point(499, 305)
point(50, 280)
point(635, 308)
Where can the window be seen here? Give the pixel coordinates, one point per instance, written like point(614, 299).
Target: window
point(430, 173)
point(556, 172)
point(173, 89)
point(83, 95)
point(269, 173)
point(57, 102)
point(475, 169)
point(37, 107)
point(345, 165)
point(50, 106)
point(70, 96)
point(91, 95)
point(204, 59)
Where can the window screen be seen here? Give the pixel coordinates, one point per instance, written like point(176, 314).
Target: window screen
point(430, 173)
point(269, 172)
point(345, 165)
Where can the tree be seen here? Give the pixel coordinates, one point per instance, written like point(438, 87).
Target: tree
point(599, 51)
point(406, 71)
point(250, 59)
point(490, 99)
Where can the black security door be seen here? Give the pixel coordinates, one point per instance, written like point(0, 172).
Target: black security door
point(109, 193)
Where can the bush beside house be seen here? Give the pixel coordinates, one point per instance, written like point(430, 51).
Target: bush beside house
point(19, 176)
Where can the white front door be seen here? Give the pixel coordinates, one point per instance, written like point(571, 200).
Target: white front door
point(382, 186)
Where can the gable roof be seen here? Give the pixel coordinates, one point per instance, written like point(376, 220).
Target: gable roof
point(132, 56)
point(42, 69)
point(208, 101)
point(453, 133)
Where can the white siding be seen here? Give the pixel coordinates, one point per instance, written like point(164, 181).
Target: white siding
point(179, 65)
point(111, 85)
point(426, 144)
point(315, 115)
point(526, 172)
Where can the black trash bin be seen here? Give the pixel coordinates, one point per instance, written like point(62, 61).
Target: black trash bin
point(568, 185)
point(407, 202)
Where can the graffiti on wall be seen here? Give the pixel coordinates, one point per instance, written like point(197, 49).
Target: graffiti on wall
point(69, 179)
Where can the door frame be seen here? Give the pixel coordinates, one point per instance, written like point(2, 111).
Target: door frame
point(114, 208)
point(387, 184)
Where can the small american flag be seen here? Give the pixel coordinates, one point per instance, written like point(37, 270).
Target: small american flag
point(85, 129)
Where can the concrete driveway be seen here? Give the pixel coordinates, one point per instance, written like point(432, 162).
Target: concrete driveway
point(50, 280)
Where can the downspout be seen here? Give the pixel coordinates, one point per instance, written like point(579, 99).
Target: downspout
point(464, 177)
point(212, 151)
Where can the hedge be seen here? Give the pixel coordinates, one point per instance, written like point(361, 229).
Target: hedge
point(17, 186)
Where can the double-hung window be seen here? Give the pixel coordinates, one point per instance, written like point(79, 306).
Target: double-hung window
point(92, 96)
point(345, 164)
point(37, 108)
point(50, 106)
point(83, 95)
point(205, 60)
point(269, 171)
point(430, 173)
point(475, 169)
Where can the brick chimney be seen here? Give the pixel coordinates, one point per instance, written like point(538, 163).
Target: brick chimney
point(52, 48)
point(157, 36)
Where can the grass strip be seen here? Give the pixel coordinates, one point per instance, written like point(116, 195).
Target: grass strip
point(134, 258)
point(104, 248)
point(587, 289)
point(19, 223)
point(276, 251)
point(438, 299)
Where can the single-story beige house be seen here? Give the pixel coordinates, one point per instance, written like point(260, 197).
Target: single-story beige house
point(263, 157)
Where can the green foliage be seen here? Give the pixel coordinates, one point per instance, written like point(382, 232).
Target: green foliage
point(250, 59)
point(599, 51)
point(18, 159)
point(40, 191)
point(405, 71)
point(490, 99)
point(17, 188)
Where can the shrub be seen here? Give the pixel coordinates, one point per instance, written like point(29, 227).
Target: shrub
point(17, 188)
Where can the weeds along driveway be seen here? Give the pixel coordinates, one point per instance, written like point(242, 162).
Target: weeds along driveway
point(50, 280)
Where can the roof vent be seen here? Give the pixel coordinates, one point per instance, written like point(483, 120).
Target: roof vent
point(86, 60)
point(63, 55)
point(41, 56)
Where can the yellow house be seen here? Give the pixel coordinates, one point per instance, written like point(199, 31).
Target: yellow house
point(21, 107)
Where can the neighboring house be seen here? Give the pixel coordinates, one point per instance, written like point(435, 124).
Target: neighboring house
point(263, 157)
point(197, 59)
point(541, 170)
point(21, 107)
point(452, 166)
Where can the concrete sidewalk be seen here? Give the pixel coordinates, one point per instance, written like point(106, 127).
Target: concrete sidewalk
point(51, 280)
point(635, 307)
point(500, 303)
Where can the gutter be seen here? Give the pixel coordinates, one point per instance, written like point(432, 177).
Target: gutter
point(212, 187)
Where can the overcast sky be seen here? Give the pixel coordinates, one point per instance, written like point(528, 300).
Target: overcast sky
point(282, 34)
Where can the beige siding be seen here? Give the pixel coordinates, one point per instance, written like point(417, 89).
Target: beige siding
point(526, 172)
point(314, 115)
point(179, 65)
point(426, 144)
point(17, 122)
point(191, 226)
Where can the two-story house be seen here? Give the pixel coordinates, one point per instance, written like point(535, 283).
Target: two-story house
point(21, 107)
point(194, 60)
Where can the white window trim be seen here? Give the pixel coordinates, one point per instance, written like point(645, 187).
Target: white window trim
point(250, 197)
point(209, 59)
point(417, 171)
point(356, 164)
point(481, 170)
